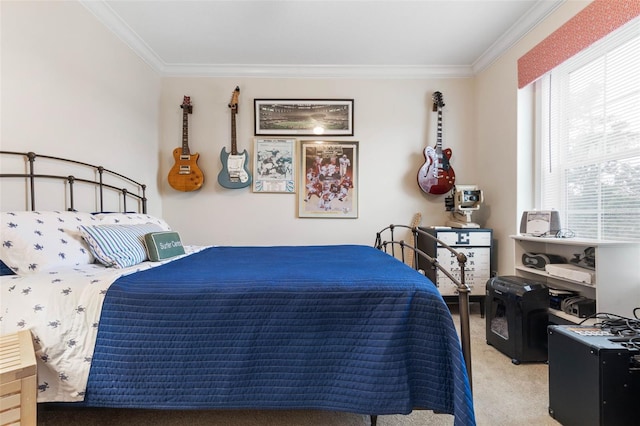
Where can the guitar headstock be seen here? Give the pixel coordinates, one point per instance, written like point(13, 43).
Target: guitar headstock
point(438, 101)
point(186, 104)
point(233, 104)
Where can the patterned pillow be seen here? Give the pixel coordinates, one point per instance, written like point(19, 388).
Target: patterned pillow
point(41, 241)
point(130, 219)
point(118, 246)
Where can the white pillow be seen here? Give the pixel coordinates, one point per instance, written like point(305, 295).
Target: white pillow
point(41, 241)
point(130, 219)
point(118, 246)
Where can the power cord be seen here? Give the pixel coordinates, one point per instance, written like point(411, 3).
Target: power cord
point(561, 233)
point(617, 324)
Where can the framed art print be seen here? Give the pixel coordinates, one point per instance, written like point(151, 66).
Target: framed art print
point(328, 179)
point(274, 167)
point(303, 117)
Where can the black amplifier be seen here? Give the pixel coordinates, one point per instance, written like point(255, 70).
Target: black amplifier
point(594, 377)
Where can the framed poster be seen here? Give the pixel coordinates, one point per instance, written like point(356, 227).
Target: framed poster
point(303, 117)
point(274, 168)
point(328, 179)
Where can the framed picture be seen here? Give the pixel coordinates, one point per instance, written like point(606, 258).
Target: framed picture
point(328, 179)
point(303, 117)
point(274, 167)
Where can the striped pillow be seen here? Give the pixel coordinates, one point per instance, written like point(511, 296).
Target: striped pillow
point(118, 246)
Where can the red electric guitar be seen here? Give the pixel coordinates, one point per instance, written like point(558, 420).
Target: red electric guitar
point(436, 175)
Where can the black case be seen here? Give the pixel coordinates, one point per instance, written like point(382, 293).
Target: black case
point(517, 317)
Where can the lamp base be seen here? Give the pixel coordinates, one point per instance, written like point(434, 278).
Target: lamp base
point(460, 224)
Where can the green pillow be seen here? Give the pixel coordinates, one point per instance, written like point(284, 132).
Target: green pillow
point(163, 245)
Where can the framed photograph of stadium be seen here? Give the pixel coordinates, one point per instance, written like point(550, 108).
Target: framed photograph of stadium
point(274, 165)
point(303, 117)
point(328, 179)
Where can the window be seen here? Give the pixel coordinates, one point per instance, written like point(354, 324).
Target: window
point(589, 138)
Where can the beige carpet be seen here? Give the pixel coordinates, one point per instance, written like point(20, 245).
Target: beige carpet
point(504, 395)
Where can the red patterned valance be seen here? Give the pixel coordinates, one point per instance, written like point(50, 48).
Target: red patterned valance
point(591, 24)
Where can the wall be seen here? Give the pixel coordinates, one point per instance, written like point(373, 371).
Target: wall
point(71, 88)
point(393, 123)
point(505, 143)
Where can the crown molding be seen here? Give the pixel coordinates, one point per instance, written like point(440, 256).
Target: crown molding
point(103, 12)
point(526, 23)
point(317, 71)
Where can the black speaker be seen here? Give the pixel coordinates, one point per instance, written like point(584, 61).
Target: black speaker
point(592, 379)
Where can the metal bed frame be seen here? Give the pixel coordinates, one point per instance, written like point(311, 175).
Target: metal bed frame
point(389, 246)
point(30, 175)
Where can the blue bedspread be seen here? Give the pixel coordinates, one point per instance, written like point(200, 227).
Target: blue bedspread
point(345, 328)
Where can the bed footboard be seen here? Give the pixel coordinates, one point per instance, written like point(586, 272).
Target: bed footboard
point(409, 254)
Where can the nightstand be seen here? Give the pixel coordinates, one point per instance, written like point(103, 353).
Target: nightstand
point(476, 244)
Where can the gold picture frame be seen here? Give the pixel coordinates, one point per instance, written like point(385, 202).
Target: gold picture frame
point(328, 179)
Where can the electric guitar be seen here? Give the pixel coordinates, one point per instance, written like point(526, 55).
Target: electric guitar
point(234, 173)
point(436, 175)
point(185, 175)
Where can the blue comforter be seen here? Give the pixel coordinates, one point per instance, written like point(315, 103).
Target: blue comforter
point(345, 328)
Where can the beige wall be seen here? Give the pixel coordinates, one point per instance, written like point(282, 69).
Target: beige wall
point(71, 88)
point(393, 124)
point(504, 142)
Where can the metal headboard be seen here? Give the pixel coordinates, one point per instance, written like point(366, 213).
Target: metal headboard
point(138, 196)
point(390, 246)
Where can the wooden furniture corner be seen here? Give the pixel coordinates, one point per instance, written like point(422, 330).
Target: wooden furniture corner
point(17, 380)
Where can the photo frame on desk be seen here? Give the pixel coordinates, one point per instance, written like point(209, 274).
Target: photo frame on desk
point(328, 179)
point(274, 165)
point(303, 117)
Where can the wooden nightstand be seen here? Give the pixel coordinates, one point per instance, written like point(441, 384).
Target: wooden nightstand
point(17, 380)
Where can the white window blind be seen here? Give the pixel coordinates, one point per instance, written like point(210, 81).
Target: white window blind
point(589, 139)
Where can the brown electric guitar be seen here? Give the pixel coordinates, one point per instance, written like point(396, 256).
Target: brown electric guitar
point(436, 176)
point(185, 175)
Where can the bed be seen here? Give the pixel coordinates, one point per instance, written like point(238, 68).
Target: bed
point(367, 335)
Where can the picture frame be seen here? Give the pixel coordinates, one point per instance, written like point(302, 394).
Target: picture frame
point(303, 117)
point(328, 179)
point(274, 165)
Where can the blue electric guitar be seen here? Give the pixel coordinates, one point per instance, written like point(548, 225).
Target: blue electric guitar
point(234, 173)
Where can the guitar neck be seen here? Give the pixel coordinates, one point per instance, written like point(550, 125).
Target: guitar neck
point(234, 145)
point(185, 132)
point(439, 132)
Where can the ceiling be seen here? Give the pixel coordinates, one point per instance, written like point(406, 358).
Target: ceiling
point(312, 38)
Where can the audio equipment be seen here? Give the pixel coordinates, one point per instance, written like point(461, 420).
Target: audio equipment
point(540, 223)
point(572, 272)
point(540, 260)
point(594, 379)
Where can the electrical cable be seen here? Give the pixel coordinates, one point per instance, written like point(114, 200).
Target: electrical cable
point(618, 324)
